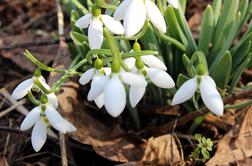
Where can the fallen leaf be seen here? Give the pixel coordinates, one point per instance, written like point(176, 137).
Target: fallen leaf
point(3, 161)
point(236, 145)
point(161, 150)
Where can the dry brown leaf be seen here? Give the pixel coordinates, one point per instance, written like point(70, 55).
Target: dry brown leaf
point(3, 161)
point(161, 150)
point(236, 145)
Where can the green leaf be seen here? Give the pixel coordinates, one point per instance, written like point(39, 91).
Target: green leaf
point(207, 27)
point(198, 137)
point(240, 54)
point(238, 73)
point(174, 26)
point(198, 121)
point(150, 40)
point(181, 80)
point(192, 47)
point(205, 153)
point(216, 10)
point(226, 19)
point(228, 42)
point(221, 73)
point(243, 8)
point(78, 38)
point(183, 5)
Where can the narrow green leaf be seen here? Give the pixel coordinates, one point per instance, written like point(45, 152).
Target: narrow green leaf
point(226, 19)
point(78, 38)
point(207, 27)
point(192, 47)
point(183, 5)
point(238, 73)
point(215, 59)
point(150, 40)
point(221, 74)
point(216, 9)
point(243, 8)
point(240, 54)
point(181, 80)
point(174, 26)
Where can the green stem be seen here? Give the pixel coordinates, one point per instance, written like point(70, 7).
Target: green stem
point(40, 85)
point(173, 41)
point(239, 106)
point(33, 99)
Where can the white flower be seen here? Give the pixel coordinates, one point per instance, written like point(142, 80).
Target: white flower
point(174, 3)
point(41, 119)
point(24, 87)
point(134, 14)
point(114, 90)
point(95, 75)
point(95, 30)
point(155, 71)
point(208, 91)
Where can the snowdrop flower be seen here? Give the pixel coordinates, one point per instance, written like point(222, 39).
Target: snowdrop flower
point(174, 3)
point(94, 22)
point(27, 85)
point(41, 117)
point(114, 90)
point(95, 74)
point(134, 14)
point(208, 91)
point(151, 67)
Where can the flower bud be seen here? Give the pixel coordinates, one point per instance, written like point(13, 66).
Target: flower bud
point(96, 11)
point(200, 69)
point(136, 46)
point(115, 67)
point(139, 64)
point(98, 64)
point(43, 99)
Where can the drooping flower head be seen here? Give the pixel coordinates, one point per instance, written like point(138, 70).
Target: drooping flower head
point(134, 13)
point(148, 67)
point(42, 117)
point(208, 92)
point(36, 83)
point(94, 22)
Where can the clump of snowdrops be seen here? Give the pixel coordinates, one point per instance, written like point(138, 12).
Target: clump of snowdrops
point(126, 49)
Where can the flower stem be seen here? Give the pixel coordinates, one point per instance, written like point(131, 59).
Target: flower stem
point(173, 41)
point(32, 98)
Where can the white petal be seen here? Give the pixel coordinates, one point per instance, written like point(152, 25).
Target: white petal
point(211, 96)
point(185, 92)
point(87, 76)
point(160, 78)
point(153, 62)
point(130, 62)
point(39, 135)
point(134, 17)
point(174, 3)
point(107, 70)
point(95, 34)
point(99, 101)
point(97, 88)
point(136, 94)
point(31, 118)
point(115, 96)
point(121, 9)
point(113, 25)
point(133, 79)
point(22, 89)
point(53, 100)
point(69, 126)
point(55, 119)
point(155, 16)
point(210, 80)
point(84, 21)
